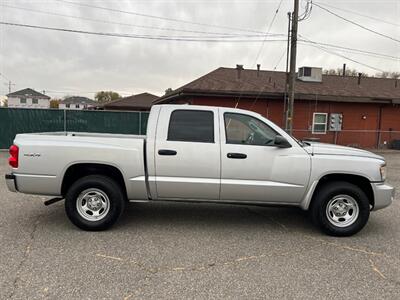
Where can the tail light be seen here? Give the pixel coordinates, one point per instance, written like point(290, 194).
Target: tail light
point(13, 159)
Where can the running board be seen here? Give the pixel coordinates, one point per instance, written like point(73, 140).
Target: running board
point(51, 201)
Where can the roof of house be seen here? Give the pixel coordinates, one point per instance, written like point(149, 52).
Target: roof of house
point(78, 100)
point(139, 101)
point(225, 81)
point(28, 92)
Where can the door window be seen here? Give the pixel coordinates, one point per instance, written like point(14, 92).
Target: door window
point(191, 126)
point(247, 130)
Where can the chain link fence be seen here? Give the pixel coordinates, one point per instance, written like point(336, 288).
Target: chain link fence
point(371, 139)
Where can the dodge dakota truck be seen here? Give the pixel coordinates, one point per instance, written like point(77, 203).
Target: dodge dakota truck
point(200, 154)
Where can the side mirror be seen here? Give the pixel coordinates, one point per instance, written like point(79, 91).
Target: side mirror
point(281, 142)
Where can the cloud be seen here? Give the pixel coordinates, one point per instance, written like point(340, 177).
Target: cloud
point(69, 63)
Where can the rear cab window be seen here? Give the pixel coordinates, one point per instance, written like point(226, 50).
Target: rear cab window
point(191, 126)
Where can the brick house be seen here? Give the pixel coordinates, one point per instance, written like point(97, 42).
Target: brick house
point(369, 107)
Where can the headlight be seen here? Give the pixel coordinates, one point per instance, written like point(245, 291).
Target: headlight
point(383, 172)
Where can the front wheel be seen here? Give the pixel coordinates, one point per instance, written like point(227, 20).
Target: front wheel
point(340, 208)
point(94, 202)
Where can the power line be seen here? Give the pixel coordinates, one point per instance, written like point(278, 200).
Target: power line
point(75, 92)
point(361, 15)
point(280, 59)
point(259, 51)
point(120, 23)
point(374, 54)
point(139, 36)
point(345, 57)
point(307, 11)
point(4, 76)
point(340, 55)
point(341, 49)
point(158, 17)
point(349, 49)
point(267, 32)
point(355, 23)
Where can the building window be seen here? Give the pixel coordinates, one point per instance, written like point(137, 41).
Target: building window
point(67, 105)
point(319, 123)
point(246, 130)
point(77, 106)
point(191, 126)
point(22, 100)
point(35, 101)
point(307, 72)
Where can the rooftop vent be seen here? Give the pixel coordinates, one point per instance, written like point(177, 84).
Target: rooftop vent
point(310, 74)
point(239, 69)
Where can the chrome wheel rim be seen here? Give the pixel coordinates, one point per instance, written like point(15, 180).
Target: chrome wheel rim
point(93, 204)
point(342, 210)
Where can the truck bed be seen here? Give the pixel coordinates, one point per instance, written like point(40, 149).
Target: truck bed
point(46, 157)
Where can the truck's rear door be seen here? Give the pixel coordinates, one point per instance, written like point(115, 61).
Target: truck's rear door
point(187, 153)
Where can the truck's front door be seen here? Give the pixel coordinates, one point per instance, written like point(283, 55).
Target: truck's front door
point(253, 168)
point(187, 153)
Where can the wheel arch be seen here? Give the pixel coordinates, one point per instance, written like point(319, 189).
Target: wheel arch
point(362, 182)
point(79, 170)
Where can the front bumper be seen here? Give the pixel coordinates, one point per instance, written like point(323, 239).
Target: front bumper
point(383, 194)
point(11, 183)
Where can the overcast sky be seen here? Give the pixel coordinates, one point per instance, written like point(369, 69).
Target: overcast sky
point(63, 63)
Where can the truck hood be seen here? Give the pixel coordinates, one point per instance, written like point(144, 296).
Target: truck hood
point(330, 149)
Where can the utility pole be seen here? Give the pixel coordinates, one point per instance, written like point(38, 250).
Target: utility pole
point(292, 73)
point(285, 97)
point(9, 84)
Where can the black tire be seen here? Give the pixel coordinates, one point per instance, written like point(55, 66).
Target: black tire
point(104, 186)
point(321, 200)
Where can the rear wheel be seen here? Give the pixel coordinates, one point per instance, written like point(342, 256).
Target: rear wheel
point(94, 202)
point(340, 208)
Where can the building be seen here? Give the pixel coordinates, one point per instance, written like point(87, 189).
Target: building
point(76, 102)
point(367, 109)
point(28, 98)
point(139, 102)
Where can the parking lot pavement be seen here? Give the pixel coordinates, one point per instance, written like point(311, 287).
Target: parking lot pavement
point(194, 251)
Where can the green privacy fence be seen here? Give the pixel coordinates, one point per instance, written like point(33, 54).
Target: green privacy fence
point(21, 120)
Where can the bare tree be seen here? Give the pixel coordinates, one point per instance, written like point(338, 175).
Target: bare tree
point(349, 72)
point(383, 75)
point(395, 75)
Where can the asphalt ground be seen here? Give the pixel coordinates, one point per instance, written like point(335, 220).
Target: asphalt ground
point(194, 251)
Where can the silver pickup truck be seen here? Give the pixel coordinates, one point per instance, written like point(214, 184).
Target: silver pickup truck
point(200, 154)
